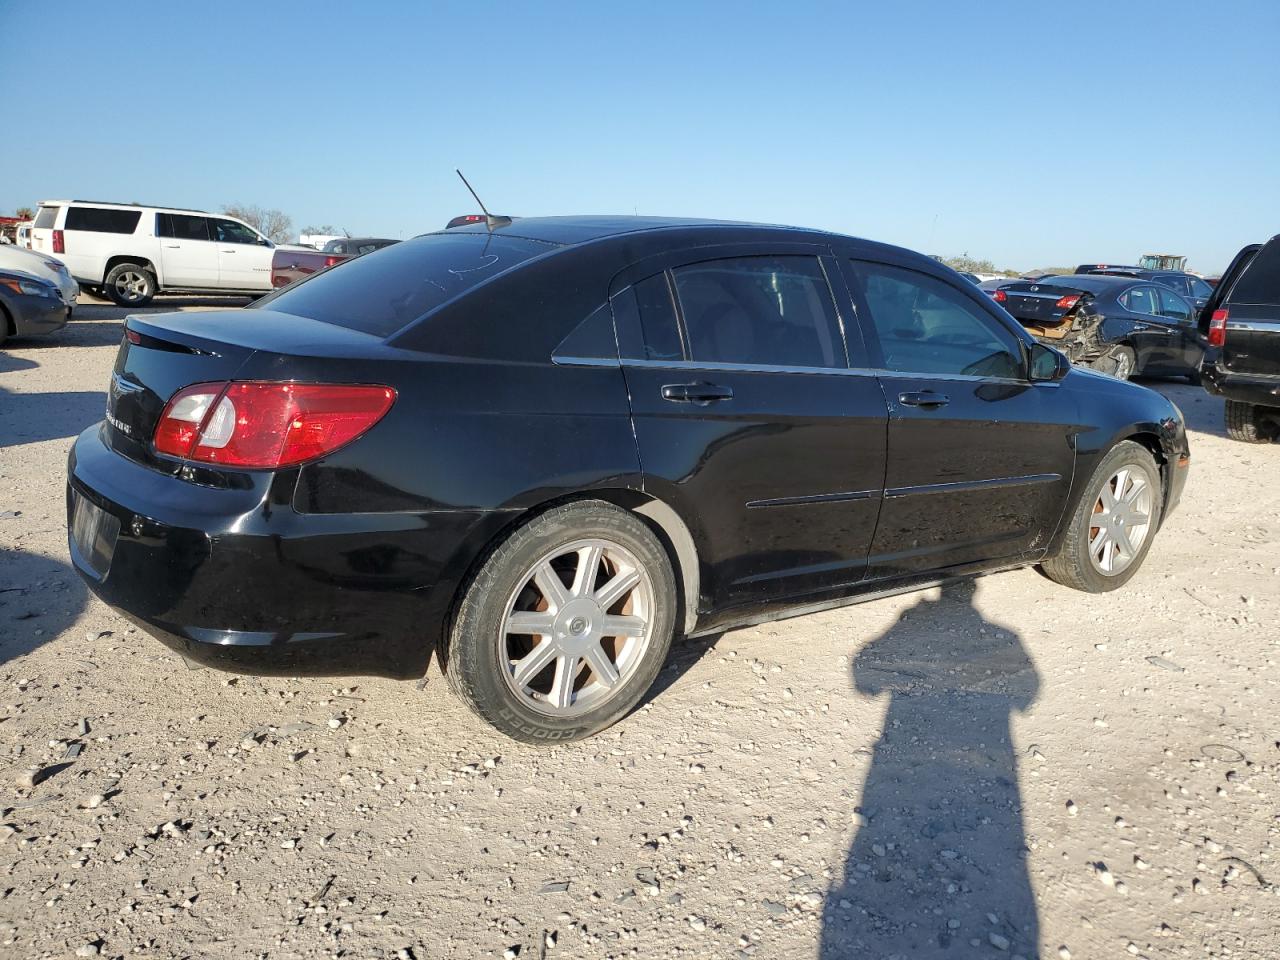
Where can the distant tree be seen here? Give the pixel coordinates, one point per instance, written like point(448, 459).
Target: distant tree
point(327, 230)
point(24, 213)
point(967, 264)
point(273, 224)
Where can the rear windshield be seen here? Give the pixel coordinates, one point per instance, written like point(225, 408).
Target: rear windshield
point(102, 220)
point(390, 288)
point(47, 217)
point(1260, 282)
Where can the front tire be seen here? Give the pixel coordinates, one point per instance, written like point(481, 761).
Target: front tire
point(1112, 528)
point(131, 285)
point(1245, 422)
point(565, 626)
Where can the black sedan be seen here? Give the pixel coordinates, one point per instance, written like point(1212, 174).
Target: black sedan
point(1116, 324)
point(545, 449)
point(1187, 285)
point(29, 305)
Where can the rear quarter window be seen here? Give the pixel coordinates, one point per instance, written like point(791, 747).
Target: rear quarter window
point(1260, 282)
point(100, 220)
point(47, 217)
point(390, 288)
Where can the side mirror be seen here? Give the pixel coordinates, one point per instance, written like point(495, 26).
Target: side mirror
point(1047, 364)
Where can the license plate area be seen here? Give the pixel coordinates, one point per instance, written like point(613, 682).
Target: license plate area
point(93, 533)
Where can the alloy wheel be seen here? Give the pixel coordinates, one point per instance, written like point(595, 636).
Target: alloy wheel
point(576, 627)
point(1124, 367)
point(1120, 522)
point(132, 286)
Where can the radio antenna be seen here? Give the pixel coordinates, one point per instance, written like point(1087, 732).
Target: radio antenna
point(489, 219)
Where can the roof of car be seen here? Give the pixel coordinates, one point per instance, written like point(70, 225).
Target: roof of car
point(128, 206)
point(580, 229)
point(1095, 282)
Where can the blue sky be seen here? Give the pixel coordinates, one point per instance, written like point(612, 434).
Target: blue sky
point(1030, 135)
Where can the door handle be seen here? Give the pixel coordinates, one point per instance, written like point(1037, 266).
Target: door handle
point(173, 246)
point(696, 392)
point(228, 251)
point(927, 399)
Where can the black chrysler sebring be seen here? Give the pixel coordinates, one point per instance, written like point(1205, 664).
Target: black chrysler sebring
point(542, 450)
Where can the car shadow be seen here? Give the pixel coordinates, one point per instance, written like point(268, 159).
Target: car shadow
point(36, 417)
point(40, 597)
point(685, 652)
point(938, 866)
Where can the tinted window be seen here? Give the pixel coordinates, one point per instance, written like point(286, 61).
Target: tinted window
point(769, 310)
point(1141, 300)
point(46, 217)
point(228, 231)
point(925, 325)
point(181, 226)
point(1173, 306)
point(1260, 282)
point(99, 220)
point(1199, 288)
point(658, 325)
point(1174, 282)
point(381, 294)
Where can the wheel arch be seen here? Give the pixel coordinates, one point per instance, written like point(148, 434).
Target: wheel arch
point(8, 325)
point(119, 258)
point(667, 525)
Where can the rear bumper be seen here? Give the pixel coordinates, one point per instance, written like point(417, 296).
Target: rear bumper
point(1245, 388)
point(233, 580)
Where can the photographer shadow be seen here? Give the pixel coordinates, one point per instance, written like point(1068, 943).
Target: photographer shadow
point(938, 867)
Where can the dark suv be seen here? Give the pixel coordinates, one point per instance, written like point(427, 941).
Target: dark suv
point(1241, 322)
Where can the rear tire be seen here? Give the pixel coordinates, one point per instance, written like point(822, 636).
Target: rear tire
point(576, 678)
point(1245, 423)
point(131, 285)
point(1120, 363)
point(1106, 515)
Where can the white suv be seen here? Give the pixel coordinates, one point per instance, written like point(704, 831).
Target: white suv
point(131, 253)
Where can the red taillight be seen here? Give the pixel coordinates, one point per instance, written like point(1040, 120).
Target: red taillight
point(1067, 302)
point(267, 425)
point(133, 336)
point(59, 243)
point(1000, 296)
point(330, 261)
point(1218, 328)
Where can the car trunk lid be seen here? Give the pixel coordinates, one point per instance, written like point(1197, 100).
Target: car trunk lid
point(1042, 304)
point(163, 353)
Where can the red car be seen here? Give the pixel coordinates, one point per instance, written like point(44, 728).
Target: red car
point(290, 265)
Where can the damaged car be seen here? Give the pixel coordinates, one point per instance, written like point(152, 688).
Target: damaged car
point(1119, 325)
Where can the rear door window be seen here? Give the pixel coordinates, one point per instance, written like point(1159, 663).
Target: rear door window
point(925, 325)
point(1260, 282)
point(1175, 282)
point(382, 294)
point(182, 226)
point(102, 220)
point(46, 217)
point(776, 311)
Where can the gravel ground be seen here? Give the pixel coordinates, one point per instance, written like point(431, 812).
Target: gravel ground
point(999, 770)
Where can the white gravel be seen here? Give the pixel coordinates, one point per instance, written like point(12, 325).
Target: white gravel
point(1035, 741)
